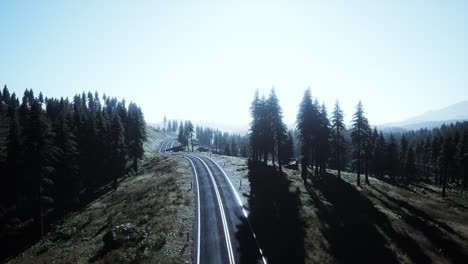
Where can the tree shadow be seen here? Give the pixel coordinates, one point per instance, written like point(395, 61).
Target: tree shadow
point(430, 227)
point(274, 217)
point(354, 223)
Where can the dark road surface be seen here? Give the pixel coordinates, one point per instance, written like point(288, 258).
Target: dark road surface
point(218, 213)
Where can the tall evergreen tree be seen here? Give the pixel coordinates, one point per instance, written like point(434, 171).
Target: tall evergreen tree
point(135, 134)
point(392, 158)
point(359, 135)
point(277, 126)
point(117, 147)
point(337, 139)
point(306, 127)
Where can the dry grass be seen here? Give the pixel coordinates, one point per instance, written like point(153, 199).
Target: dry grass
point(413, 223)
point(158, 202)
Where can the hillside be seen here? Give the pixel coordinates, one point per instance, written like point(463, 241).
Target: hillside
point(148, 219)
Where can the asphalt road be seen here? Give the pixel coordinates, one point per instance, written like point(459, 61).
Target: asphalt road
point(219, 212)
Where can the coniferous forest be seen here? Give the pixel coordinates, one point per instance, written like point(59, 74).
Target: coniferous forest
point(438, 156)
point(325, 147)
point(56, 155)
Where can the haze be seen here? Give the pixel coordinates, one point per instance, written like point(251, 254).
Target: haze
point(204, 61)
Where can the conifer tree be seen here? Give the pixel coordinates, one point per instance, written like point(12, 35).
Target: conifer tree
point(117, 147)
point(410, 167)
point(359, 135)
point(323, 139)
point(181, 136)
point(135, 134)
point(392, 158)
point(277, 126)
point(306, 120)
point(337, 139)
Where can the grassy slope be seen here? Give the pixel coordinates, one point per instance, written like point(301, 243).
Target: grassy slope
point(380, 223)
point(158, 202)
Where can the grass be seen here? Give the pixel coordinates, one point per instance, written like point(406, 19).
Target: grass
point(380, 222)
point(158, 207)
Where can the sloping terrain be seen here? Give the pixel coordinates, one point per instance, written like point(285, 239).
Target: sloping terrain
point(147, 219)
point(377, 223)
point(381, 223)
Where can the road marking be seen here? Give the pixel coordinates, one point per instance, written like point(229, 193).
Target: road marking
point(198, 206)
point(241, 205)
point(172, 143)
point(223, 216)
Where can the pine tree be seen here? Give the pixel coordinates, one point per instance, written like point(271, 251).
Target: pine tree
point(392, 158)
point(323, 139)
point(135, 134)
point(306, 127)
point(359, 135)
point(379, 158)
point(277, 126)
point(337, 139)
point(254, 128)
point(40, 155)
point(117, 147)
point(403, 155)
point(410, 167)
point(181, 136)
point(67, 178)
point(14, 152)
point(174, 126)
point(234, 148)
point(287, 153)
point(189, 132)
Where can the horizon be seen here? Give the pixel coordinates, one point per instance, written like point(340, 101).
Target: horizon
point(205, 61)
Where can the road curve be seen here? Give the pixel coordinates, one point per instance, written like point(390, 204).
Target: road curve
point(219, 212)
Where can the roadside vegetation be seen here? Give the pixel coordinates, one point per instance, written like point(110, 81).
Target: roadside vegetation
point(57, 155)
point(147, 219)
point(382, 203)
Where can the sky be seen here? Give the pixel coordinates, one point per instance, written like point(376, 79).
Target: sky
point(203, 60)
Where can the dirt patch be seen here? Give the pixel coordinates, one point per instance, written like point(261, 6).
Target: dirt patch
point(156, 209)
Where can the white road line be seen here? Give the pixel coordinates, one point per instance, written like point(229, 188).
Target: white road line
point(240, 204)
point(223, 216)
point(198, 206)
point(172, 143)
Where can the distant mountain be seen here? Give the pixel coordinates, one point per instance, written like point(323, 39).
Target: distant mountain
point(451, 114)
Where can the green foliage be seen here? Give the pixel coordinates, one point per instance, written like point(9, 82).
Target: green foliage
point(57, 154)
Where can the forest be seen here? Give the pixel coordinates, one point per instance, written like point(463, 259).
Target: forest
point(323, 141)
point(325, 147)
point(206, 138)
point(56, 155)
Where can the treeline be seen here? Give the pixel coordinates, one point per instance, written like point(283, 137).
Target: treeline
point(269, 137)
point(439, 155)
point(222, 142)
point(55, 154)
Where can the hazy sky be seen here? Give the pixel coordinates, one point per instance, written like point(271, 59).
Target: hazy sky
point(203, 60)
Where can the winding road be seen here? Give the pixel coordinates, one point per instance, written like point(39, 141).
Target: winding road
point(219, 212)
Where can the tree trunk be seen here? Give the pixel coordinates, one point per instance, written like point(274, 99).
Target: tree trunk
point(465, 174)
point(444, 182)
point(273, 155)
point(279, 157)
point(367, 171)
point(304, 166)
point(359, 166)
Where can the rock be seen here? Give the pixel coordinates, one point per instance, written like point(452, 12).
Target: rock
point(123, 235)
